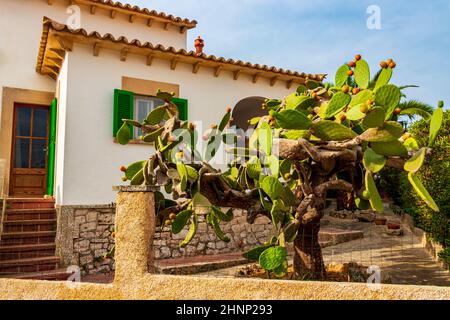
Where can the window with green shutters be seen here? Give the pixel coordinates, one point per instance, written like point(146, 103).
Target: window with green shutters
point(126, 105)
point(182, 105)
point(123, 108)
point(51, 149)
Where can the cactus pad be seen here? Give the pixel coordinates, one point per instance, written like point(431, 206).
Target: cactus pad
point(373, 161)
point(338, 102)
point(293, 119)
point(383, 78)
point(329, 130)
point(375, 118)
point(388, 96)
point(362, 74)
point(374, 196)
point(389, 149)
point(341, 75)
point(391, 131)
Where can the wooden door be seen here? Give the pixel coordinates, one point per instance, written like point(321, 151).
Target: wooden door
point(29, 151)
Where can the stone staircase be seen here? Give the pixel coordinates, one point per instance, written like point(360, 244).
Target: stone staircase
point(27, 246)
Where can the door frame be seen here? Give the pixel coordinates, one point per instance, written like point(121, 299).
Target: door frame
point(10, 96)
point(13, 142)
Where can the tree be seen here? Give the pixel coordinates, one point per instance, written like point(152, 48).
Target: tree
point(319, 138)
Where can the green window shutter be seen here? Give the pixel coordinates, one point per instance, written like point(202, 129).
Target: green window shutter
point(123, 108)
point(51, 148)
point(182, 105)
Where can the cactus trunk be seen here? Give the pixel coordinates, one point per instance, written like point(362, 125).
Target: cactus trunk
point(308, 260)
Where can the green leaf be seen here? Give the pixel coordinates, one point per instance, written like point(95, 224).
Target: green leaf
point(192, 231)
point(435, 125)
point(138, 178)
point(329, 130)
point(383, 78)
point(254, 167)
point(374, 118)
point(227, 217)
point(181, 220)
point(219, 233)
point(265, 138)
point(341, 75)
point(199, 201)
point(362, 74)
point(362, 204)
point(272, 187)
point(254, 121)
point(277, 212)
point(288, 197)
point(124, 134)
point(290, 231)
point(292, 119)
point(156, 115)
point(388, 96)
point(272, 257)
point(311, 84)
point(421, 191)
point(192, 173)
point(337, 103)
point(389, 149)
point(373, 161)
point(285, 166)
point(254, 253)
point(411, 144)
point(362, 97)
point(295, 101)
point(273, 164)
point(223, 123)
point(355, 113)
point(134, 168)
point(182, 171)
point(152, 136)
point(416, 161)
point(374, 196)
point(391, 131)
point(301, 89)
point(296, 134)
point(272, 104)
point(282, 270)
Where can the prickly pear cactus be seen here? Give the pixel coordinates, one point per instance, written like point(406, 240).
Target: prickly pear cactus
point(321, 137)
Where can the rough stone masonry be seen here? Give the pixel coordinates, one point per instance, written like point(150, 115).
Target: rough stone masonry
point(85, 235)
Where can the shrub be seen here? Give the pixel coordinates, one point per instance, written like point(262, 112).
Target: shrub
point(435, 175)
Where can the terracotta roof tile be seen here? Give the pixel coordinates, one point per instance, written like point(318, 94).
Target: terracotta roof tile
point(49, 24)
point(135, 9)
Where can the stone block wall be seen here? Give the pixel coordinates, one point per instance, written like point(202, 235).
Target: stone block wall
point(84, 236)
point(242, 236)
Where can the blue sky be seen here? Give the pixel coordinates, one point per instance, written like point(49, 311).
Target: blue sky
point(319, 36)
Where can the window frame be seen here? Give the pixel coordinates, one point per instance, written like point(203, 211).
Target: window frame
point(136, 99)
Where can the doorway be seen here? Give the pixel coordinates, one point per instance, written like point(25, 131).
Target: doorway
point(29, 151)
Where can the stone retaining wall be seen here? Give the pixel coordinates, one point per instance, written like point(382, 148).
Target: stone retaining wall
point(84, 236)
point(242, 236)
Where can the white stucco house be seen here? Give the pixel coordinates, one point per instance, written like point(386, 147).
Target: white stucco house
point(64, 91)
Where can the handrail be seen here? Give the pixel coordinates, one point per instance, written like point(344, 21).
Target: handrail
point(3, 197)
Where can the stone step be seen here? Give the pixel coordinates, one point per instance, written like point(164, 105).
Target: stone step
point(30, 214)
point(22, 238)
point(29, 203)
point(57, 274)
point(15, 252)
point(29, 265)
point(338, 235)
point(29, 225)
